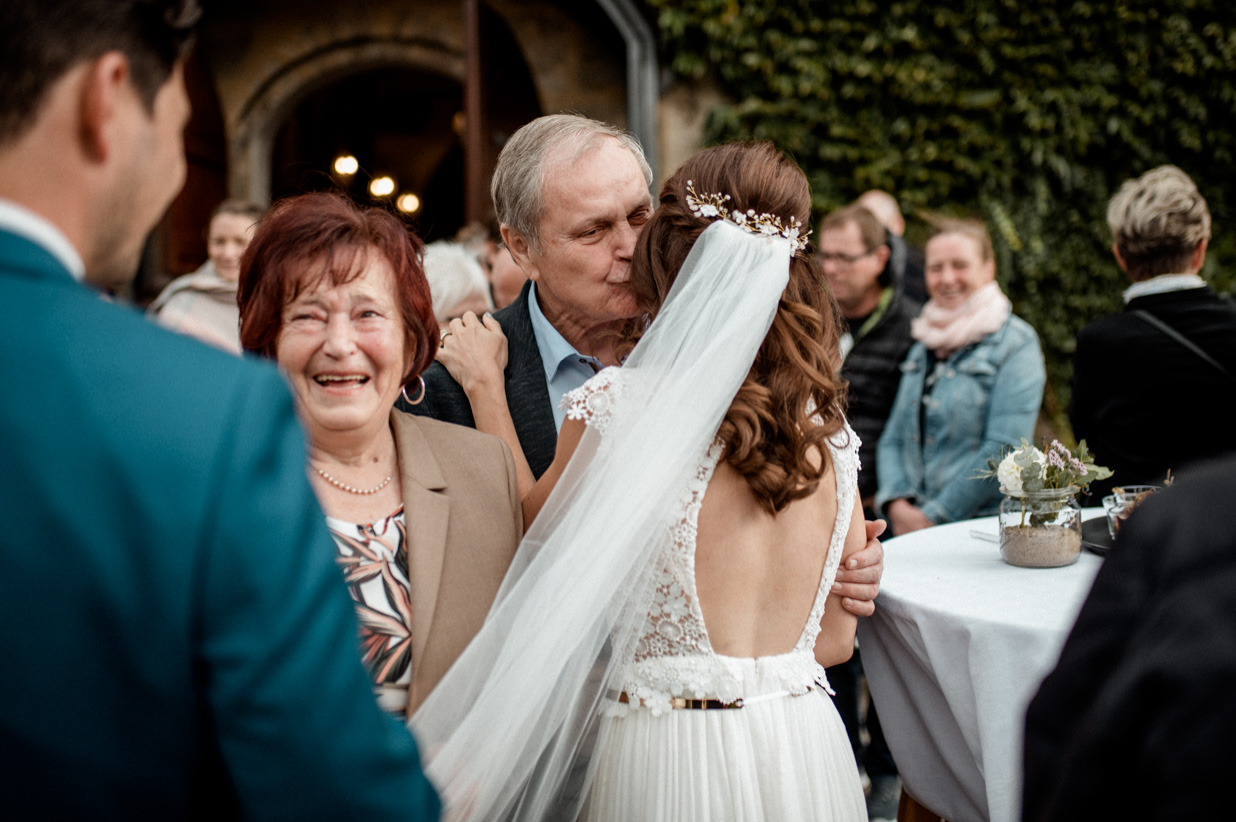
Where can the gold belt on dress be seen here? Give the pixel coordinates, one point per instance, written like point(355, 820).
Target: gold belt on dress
point(683, 704)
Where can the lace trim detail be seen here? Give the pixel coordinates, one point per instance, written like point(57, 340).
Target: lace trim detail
point(673, 656)
point(675, 624)
point(843, 446)
point(593, 401)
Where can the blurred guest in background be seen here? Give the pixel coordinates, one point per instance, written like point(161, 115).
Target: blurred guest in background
point(1137, 719)
point(424, 514)
point(854, 254)
point(855, 257)
point(972, 383)
point(1154, 386)
point(203, 304)
point(177, 643)
point(905, 261)
point(506, 278)
point(456, 281)
point(484, 242)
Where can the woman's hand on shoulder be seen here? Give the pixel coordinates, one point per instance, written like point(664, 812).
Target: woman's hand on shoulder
point(473, 349)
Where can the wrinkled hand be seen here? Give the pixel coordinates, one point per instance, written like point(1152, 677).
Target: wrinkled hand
point(474, 352)
point(905, 517)
point(859, 581)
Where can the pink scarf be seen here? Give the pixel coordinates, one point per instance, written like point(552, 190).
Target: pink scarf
point(945, 330)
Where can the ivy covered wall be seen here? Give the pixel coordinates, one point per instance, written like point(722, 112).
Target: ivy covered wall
point(1027, 113)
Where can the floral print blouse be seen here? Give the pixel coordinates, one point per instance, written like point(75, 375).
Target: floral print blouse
point(374, 561)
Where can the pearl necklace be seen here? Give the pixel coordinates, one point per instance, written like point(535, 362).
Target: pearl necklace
point(349, 488)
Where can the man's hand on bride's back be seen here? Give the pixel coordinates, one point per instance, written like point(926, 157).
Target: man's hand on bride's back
point(858, 581)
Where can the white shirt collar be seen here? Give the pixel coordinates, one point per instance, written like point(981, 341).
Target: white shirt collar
point(22, 221)
point(1162, 284)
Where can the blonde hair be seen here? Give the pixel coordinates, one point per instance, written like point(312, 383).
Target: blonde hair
point(1157, 221)
point(974, 229)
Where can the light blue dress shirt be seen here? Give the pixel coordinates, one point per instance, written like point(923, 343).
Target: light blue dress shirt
point(565, 368)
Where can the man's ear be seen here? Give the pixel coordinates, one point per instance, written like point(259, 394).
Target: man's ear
point(103, 87)
point(1119, 258)
point(881, 254)
point(1199, 257)
point(521, 251)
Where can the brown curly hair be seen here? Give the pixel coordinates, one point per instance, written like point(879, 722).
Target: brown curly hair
point(769, 432)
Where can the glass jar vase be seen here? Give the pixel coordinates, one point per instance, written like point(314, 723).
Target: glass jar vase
point(1041, 529)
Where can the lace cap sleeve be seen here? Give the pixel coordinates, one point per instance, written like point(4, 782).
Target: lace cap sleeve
point(593, 401)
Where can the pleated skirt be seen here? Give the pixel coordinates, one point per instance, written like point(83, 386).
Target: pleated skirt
point(785, 759)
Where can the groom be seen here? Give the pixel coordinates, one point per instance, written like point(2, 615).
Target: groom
point(571, 195)
point(177, 640)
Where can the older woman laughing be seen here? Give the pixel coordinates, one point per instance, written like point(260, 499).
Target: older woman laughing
point(424, 514)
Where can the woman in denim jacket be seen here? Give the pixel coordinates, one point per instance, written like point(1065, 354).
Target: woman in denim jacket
point(971, 384)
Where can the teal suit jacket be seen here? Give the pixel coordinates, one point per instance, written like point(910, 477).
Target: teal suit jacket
point(177, 641)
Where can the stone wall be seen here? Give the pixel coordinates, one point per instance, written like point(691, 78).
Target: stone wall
point(267, 55)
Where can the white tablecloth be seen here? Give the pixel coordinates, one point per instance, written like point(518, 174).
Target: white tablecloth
point(956, 649)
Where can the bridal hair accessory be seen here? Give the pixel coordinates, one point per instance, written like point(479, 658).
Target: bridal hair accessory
point(713, 207)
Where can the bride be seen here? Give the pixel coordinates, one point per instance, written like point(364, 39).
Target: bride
point(657, 650)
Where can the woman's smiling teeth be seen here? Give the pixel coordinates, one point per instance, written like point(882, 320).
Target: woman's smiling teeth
point(339, 379)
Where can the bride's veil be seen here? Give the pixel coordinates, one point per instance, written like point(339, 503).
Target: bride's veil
point(510, 730)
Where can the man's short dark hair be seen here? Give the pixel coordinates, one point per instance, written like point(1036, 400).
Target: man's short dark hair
point(870, 229)
point(40, 40)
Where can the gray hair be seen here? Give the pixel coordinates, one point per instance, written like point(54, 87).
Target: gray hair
point(518, 183)
point(1157, 222)
point(454, 275)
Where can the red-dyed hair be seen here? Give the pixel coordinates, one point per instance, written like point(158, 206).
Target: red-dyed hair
point(302, 239)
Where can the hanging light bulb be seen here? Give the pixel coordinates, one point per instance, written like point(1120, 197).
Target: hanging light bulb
point(346, 165)
point(408, 203)
point(382, 186)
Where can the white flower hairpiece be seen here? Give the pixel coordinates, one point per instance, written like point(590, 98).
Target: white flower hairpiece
point(715, 207)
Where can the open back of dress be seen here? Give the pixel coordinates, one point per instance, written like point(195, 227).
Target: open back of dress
point(777, 749)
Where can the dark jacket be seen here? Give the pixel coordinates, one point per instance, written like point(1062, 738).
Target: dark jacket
point(1142, 401)
point(905, 265)
point(1137, 719)
point(873, 370)
point(527, 393)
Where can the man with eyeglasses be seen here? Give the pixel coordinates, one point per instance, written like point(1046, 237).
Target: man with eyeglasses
point(854, 251)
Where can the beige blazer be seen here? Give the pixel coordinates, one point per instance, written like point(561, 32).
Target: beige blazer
point(463, 524)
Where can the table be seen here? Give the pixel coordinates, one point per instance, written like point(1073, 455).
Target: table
point(957, 647)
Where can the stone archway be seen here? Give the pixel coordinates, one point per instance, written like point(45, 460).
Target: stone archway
point(250, 149)
point(597, 57)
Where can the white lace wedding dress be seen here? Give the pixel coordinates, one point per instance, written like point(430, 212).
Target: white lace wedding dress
point(784, 754)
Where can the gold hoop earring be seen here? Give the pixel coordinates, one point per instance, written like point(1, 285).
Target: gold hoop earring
point(409, 400)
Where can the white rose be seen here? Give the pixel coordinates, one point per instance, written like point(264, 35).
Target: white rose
point(1009, 473)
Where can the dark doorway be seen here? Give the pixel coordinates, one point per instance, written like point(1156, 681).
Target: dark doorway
point(397, 122)
point(406, 123)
